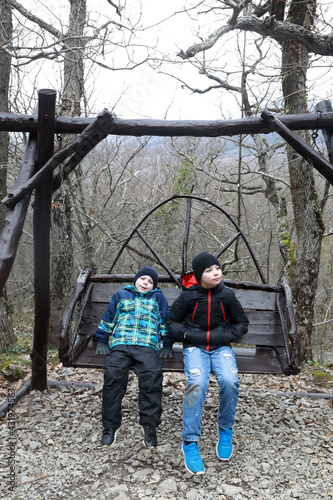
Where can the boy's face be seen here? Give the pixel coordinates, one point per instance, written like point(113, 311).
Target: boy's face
point(144, 284)
point(211, 277)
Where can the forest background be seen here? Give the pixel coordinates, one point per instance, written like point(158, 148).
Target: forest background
point(209, 59)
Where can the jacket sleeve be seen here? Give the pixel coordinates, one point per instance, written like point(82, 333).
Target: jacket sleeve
point(163, 332)
point(239, 320)
point(105, 327)
point(175, 319)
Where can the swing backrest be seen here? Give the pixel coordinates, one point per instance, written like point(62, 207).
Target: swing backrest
point(270, 346)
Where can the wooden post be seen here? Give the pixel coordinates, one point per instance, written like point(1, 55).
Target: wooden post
point(42, 224)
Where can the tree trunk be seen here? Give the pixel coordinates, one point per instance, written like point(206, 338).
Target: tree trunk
point(6, 330)
point(308, 226)
point(62, 249)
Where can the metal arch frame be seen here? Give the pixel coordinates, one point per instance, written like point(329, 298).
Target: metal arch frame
point(186, 233)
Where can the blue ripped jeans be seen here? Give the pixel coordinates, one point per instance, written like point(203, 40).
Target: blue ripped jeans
point(198, 366)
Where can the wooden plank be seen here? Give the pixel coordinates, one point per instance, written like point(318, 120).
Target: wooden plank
point(103, 292)
point(165, 278)
point(95, 309)
point(260, 335)
point(263, 317)
point(94, 312)
point(256, 299)
point(88, 329)
point(247, 360)
point(251, 299)
point(265, 329)
point(261, 338)
point(257, 364)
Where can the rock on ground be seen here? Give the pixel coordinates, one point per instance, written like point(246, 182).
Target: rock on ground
point(282, 447)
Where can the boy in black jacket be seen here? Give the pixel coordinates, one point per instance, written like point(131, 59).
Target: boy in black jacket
point(207, 318)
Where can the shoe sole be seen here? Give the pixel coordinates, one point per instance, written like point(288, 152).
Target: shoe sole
point(189, 470)
point(114, 439)
point(149, 446)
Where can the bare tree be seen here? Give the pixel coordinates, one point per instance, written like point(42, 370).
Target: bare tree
point(294, 32)
point(40, 40)
point(70, 105)
point(308, 220)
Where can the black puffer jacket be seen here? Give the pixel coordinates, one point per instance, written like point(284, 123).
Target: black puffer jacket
point(206, 318)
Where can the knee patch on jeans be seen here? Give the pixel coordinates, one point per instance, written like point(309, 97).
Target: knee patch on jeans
point(195, 372)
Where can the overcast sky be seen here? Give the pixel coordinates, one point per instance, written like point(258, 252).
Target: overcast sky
point(143, 92)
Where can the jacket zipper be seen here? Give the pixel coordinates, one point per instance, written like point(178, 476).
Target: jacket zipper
point(196, 305)
point(209, 313)
point(222, 309)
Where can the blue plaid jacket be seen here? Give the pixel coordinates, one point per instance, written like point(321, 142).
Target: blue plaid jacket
point(134, 318)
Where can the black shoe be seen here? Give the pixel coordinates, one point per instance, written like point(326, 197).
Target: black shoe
point(109, 437)
point(150, 439)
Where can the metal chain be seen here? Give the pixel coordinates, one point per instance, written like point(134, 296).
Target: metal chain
point(314, 134)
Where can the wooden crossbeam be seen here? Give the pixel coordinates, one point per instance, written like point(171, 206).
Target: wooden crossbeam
point(197, 128)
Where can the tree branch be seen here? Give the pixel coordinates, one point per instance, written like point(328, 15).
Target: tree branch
point(221, 83)
point(210, 42)
point(278, 30)
point(29, 15)
point(118, 8)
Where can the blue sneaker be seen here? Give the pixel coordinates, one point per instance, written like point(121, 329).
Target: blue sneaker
point(193, 462)
point(224, 446)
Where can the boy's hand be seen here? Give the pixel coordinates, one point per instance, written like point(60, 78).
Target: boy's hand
point(102, 349)
point(165, 352)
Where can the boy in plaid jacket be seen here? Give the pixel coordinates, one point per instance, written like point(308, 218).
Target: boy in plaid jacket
point(130, 333)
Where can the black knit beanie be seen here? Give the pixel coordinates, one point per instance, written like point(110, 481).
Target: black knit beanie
point(201, 262)
point(147, 271)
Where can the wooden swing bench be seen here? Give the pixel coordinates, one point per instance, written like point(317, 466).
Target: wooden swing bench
point(269, 347)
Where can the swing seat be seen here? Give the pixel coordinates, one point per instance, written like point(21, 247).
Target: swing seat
point(270, 345)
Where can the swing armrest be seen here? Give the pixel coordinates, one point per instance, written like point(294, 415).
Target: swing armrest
point(68, 313)
point(292, 333)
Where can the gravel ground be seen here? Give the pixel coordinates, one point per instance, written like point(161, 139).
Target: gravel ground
point(282, 445)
